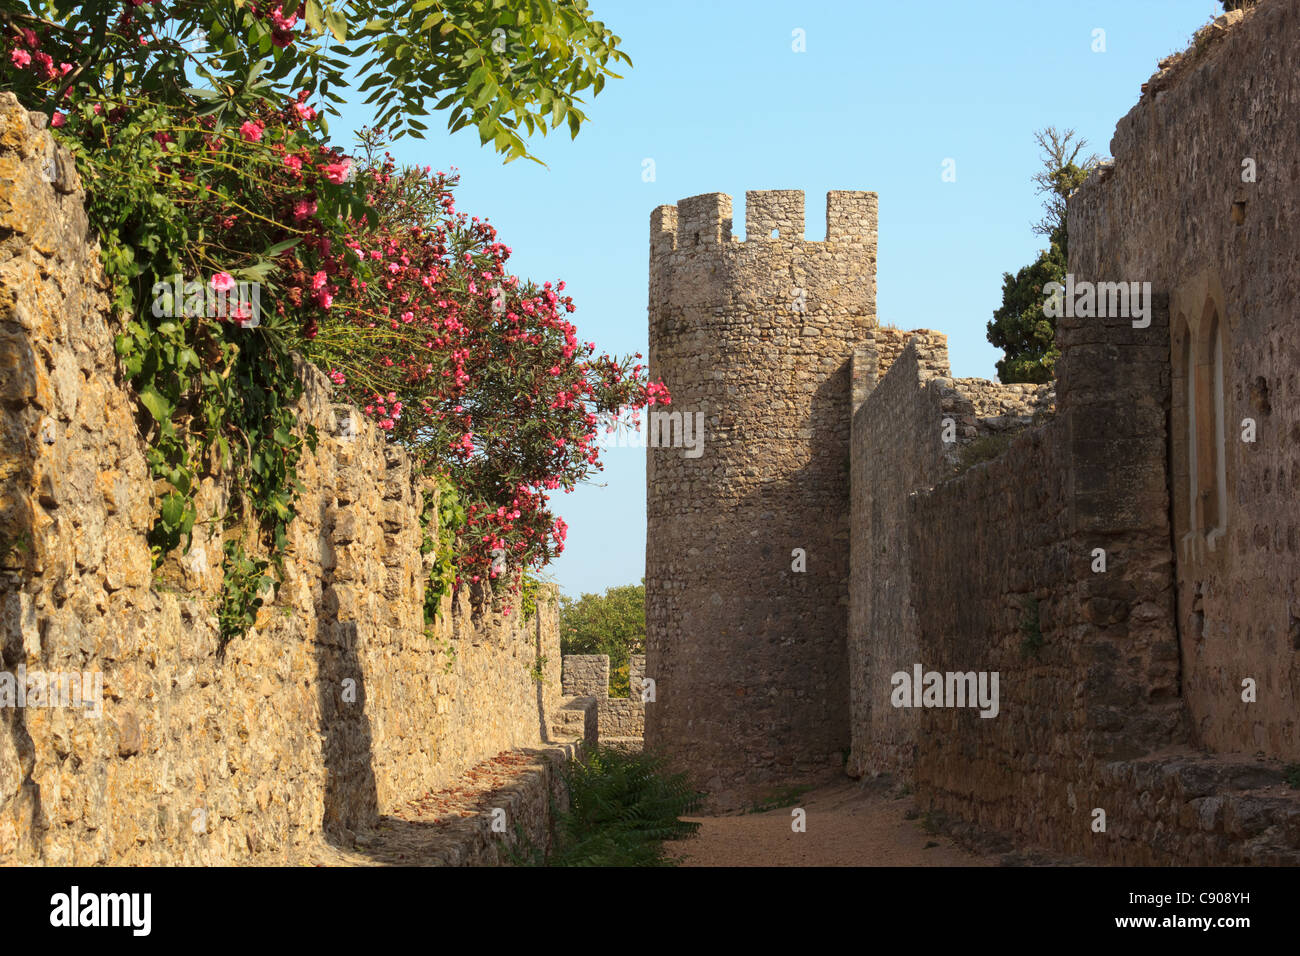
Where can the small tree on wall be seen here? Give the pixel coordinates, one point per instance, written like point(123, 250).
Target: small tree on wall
point(1020, 328)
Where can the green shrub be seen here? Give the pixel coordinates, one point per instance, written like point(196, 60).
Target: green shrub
point(622, 808)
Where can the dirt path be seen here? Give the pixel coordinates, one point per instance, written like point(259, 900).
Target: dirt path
point(847, 825)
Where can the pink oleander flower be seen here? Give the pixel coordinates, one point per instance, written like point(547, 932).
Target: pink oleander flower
point(251, 130)
point(222, 282)
point(58, 119)
point(21, 58)
point(302, 209)
point(305, 112)
point(337, 172)
point(318, 281)
point(243, 314)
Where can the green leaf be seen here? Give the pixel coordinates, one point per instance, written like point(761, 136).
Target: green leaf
point(338, 24)
point(158, 407)
point(313, 15)
point(172, 510)
point(282, 247)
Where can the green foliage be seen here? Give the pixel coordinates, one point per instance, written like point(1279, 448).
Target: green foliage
point(1031, 627)
point(216, 398)
point(441, 544)
point(504, 68)
point(243, 591)
point(537, 672)
point(509, 68)
point(612, 623)
point(1291, 773)
point(622, 807)
point(1025, 334)
point(530, 590)
point(1019, 327)
point(201, 159)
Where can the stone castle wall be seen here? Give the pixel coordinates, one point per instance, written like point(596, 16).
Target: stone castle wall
point(1120, 685)
point(333, 709)
point(1089, 713)
point(756, 336)
point(587, 675)
point(881, 627)
point(1177, 209)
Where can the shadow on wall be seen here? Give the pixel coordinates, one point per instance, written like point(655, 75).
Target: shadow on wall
point(351, 797)
point(778, 712)
point(543, 719)
point(20, 798)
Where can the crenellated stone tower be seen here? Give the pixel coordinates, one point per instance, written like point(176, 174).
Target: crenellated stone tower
point(753, 338)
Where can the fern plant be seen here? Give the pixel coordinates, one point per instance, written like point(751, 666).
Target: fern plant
point(623, 807)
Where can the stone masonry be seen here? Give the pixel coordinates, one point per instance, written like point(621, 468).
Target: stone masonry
point(1120, 549)
point(620, 720)
point(753, 339)
point(338, 707)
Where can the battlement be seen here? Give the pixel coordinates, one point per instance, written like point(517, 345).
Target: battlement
point(771, 215)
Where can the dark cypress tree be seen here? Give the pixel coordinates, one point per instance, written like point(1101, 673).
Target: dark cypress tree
point(1026, 336)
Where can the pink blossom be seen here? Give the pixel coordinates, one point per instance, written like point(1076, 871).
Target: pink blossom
point(58, 119)
point(251, 130)
point(304, 111)
point(21, 58)
point(337, 172)
point(223, 282)
point(302, 209)
point(243, 314)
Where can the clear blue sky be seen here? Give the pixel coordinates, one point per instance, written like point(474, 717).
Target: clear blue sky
point(883, 94)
